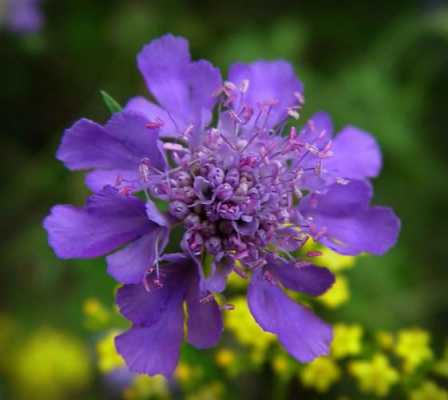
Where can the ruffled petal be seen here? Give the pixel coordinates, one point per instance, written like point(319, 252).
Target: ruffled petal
point(153, 113)
point(304, 335)
point(308, 279)
point(204, 319)
point(88, 145)
point(108, 221)
point(269, 81)
point(130, 264)
point(356, 155)
point(183, 88)
point(343, 220)
point(131, 129)
point(154, 349)
point(96, 180)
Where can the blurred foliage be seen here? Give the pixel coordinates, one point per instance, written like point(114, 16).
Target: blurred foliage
point(378, 65)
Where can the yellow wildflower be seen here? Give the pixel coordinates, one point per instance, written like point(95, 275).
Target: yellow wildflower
point(281, 365)
point(375, 376)
point(320, 374)
point(413, 347)
point(334, 261)
point(441, 366)
point(147, 387)
point(338, 294)
point(96, 314)
point(385, 340)
point(50, 365)
point(429, 391)
point(108, 358)
point(225, 357)
point(211, 391)
point(347, 340)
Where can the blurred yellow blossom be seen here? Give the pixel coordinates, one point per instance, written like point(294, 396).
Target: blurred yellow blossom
point(413, 347)
point(225, 357)
point(49, 365)
point(281, 365)
point(147, 387)
point(108, 358)
point(211, 391)
point(96, 314)
point(334, 261)
point(347, 340)
point(429, 391)
point(385, 340)
point(441, 366)
point(320, 374)
point(375, 376)
point(246, 330)
point(338, 294)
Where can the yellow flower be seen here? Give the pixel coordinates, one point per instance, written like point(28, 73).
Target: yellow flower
point(413, 347)
point(441, 366)
point(225, 357)
point(385, 340)
point(338, 294)
point(281, 365)
point(429, 391)
point(246, 330)
point(320, 374)
point(96, 314)
point(375, 376)
point(333, 261)
point(50, 365)
point(108, 358)
point(211, 391)
point(147, 387)
point(347, 340)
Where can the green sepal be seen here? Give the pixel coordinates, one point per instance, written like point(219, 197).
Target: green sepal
point(112, 105)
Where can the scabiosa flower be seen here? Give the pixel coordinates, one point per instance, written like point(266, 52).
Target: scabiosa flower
point(22, 16)
point(248, 191)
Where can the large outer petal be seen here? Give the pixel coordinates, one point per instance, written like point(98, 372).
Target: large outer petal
point(108, 221)
point(304, 335)
point(204, 319)
point(351, 226)
point(268, 81)
point(183, 88)
point(356, 155)
point(129, 264)
point(154, 349)
point(308, 279)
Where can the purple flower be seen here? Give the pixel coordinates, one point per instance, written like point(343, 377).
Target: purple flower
point(248, 192)
point(22, 16)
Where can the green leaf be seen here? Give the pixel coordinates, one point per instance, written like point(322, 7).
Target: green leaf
point(112, 105)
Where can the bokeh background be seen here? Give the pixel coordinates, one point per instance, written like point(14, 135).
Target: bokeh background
point(382, 66)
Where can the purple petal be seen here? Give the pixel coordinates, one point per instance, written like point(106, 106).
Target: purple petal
point(144, 307)
point(98, 179)
point(155, 215)
point(349, 224)
point(356, 155)
point(304, 335)
point(268, 81)
point(204, 319)
point(88, 145)
point(155, 349)
point(108, 221)
point(131, 129)
point(308, 279)
point(184, 89)
point(318, 130)
point(23, 16)
point(153, 113)
point(217, 280)
point(130, 264)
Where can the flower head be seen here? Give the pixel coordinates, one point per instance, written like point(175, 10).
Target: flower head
point(320, 374)
point(413, 346)
point(375, 376)
point(247, 191)
point(429, 391)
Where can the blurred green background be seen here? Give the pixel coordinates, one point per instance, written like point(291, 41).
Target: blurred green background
point(382, 66)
